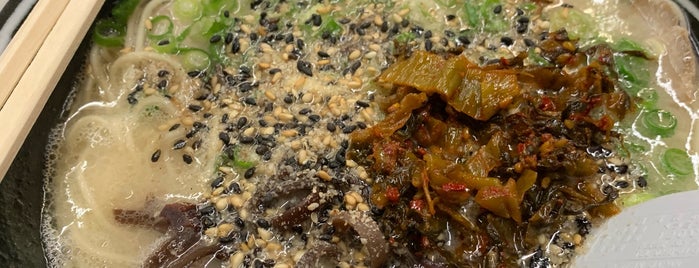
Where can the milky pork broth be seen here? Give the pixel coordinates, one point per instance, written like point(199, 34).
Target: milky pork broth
point(486, 133)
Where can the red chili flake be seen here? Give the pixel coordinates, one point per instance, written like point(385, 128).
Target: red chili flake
point(425, 241)
point(392, 194)
point(418, 204)
point(521, 147)
point(547, 104)
point(454, 187)
point(421, 151)
point(605, 123)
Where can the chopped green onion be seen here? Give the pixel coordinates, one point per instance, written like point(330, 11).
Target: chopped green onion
point(188, 10)
point(577, 23)
point(405, 37)
point(633, 72)
point(162, 25)
point(123, 10)
point(480, 16)
point(330, 26)
point(658, 123)
point(109, 33)
point(625, 45)
point(216, 6)
point(677, 162)
point(649, 98)
point(195, 59)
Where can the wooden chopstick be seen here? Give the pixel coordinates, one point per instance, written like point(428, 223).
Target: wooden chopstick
point(24, 45)
point(41, 76)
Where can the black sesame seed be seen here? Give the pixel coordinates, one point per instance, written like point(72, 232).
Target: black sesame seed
point(261, 149)
point(361, 31)
point(621, 184)
point(194, 74)
point(428, 45)
point(344, 144)
point(215, 38)
point(463, 40)
point(331, 127)
point(163, 73)
point(155, 156)
point(304, 67)
point(229, 38)
point(242, 121)
point(349, 129)
point(497, 9)
point(207, 210)
point(528, 42)
point(405, 23)
point(300, 44)
point(288, 99)
point(362, 104)
point(361, 125)
point(238, 221)
point(196, 144)
point(223, 136)
point(249, 172)
point(234, 188)
point(428, 34)
point(179, 144)
point(305, 111)
point(641, 182)
point(194, 108)
point(198, 125)
point(162, 84)
point(262, 122)
point(520, 12)
point(620, 169)
point(314, 117)
point(131, 98)
point(352, 68)
point(235, 46)
point(246, 140)
point(254, 37)
point(250, 101)
point(187, 158)
point(191, 133)
point(174, 127)
point(316, 19)
point(323, 54)
point(164, 42)
point(506, 41)
point(217, 182)
point(522, 28)
point(384, 27)
point(262, 223)
point(274, 71)
point(451, 17)
point(224, 118)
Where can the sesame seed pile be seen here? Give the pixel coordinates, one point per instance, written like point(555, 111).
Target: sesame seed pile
point(282, 108)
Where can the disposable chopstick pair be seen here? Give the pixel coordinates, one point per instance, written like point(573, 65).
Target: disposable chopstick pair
point(32, 64)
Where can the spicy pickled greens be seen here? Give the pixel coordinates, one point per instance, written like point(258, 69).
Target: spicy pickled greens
point(370, 133)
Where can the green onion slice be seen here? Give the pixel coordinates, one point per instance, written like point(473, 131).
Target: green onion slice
point(195, 59)
point(659, 122)
point(677, 162)
point(162, 26)
point(109, 33)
